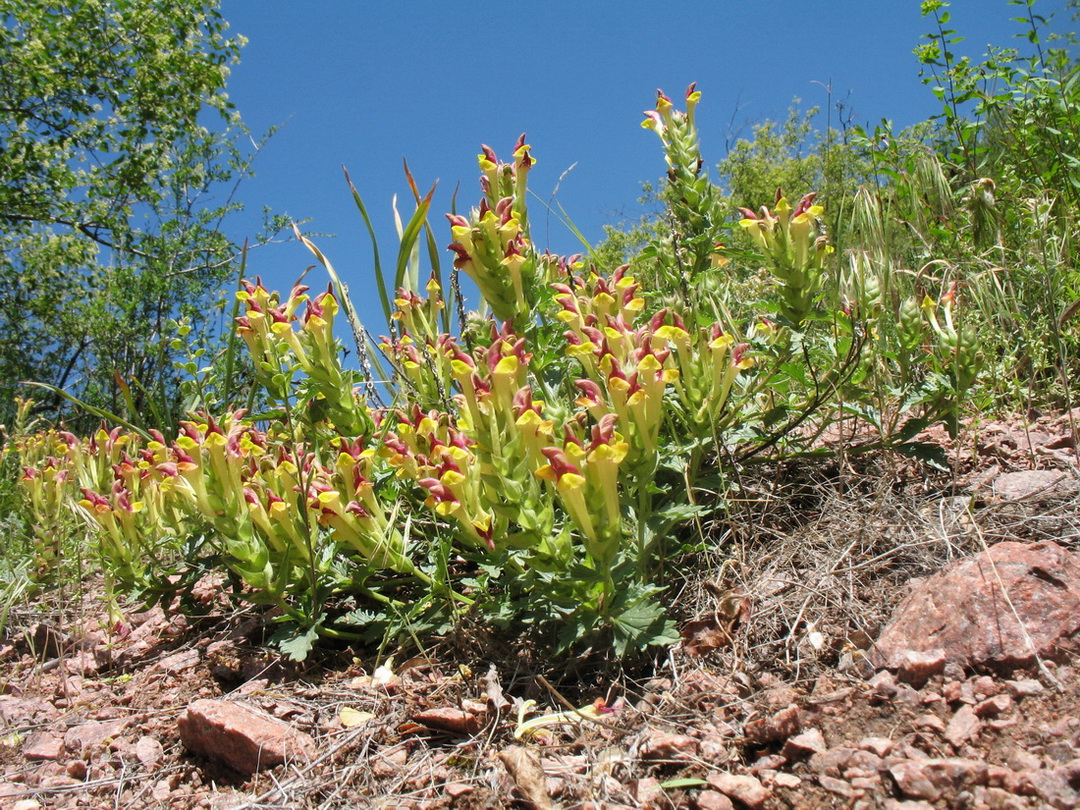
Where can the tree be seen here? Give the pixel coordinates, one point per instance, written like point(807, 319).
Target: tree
point(118, 147)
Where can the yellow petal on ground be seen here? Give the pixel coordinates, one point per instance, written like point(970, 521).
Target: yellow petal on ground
point(351, 717)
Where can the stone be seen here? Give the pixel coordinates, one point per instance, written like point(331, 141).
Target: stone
point(663, 745)
point(787, 780)
point(883, 686)
point(1053, 787)
point(804, 745)
point(148, 750)
point(833, 761)
point(780, 726)
point(931, 779)
point(930, 722)
point(457, 789)
point(963, 727)
point(93, 734)
point(959, 615)
point(713, 800)
point(242, 738)
point(992, 707)
point(1024, 687)
point(647, 792)
point(43, 747)
point(916, 667)
point(1026, 483)
point(839, 787)
point(744, 789)
point(881, 746)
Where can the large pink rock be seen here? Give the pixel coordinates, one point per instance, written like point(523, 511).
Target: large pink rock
point(242, 738)
point(959, 614)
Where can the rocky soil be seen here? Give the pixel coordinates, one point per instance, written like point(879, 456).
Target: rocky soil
point(888, 638)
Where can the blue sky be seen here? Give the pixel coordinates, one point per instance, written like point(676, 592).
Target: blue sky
point(365, 84)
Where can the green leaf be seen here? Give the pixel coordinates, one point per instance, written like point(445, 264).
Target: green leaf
point(409, 236)
point(932, 454)
point(294, 643)
point(642, 624)
point(683, 782)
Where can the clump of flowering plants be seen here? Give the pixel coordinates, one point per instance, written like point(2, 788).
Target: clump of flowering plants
point(539, 466)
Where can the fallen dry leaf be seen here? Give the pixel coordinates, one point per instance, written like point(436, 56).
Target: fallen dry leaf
point(351, 717)
point(523, 765)
point(497, 702)
point(447, 718)
point(718, 629)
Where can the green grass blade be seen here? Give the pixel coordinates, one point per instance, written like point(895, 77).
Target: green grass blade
point(434, 255)
point(234, 338)
point(380, 280)
point(360, 336)
point(108, 416)
point(409, 236)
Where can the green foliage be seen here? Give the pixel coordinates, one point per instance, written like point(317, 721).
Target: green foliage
point(543, 468)
point(551, 465)
point(107, 172)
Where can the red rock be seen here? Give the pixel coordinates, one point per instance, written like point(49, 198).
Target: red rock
point(992, 707)
point(780, 726)
point(93, 734)
point(883, 686)
point(916, 667)
point(984, 687)
point(960, 615)
point(713, 800)
point(662, 745)
point(43, 746)
point(456, 789)
point(148, 750)
point(963, 727)
point(930, 722)
point(242, 738)
point(931, 779)
point(833, 761)
point(178, 662)
point(647, 791)
point(805, 744)
point(745, 789)
point(880, 746)
point(1024, 687)
point(1023, 483)
point(77, 769)
point(1053, 787)
point(838, 787)
point(788, 780)
point(862, 764)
